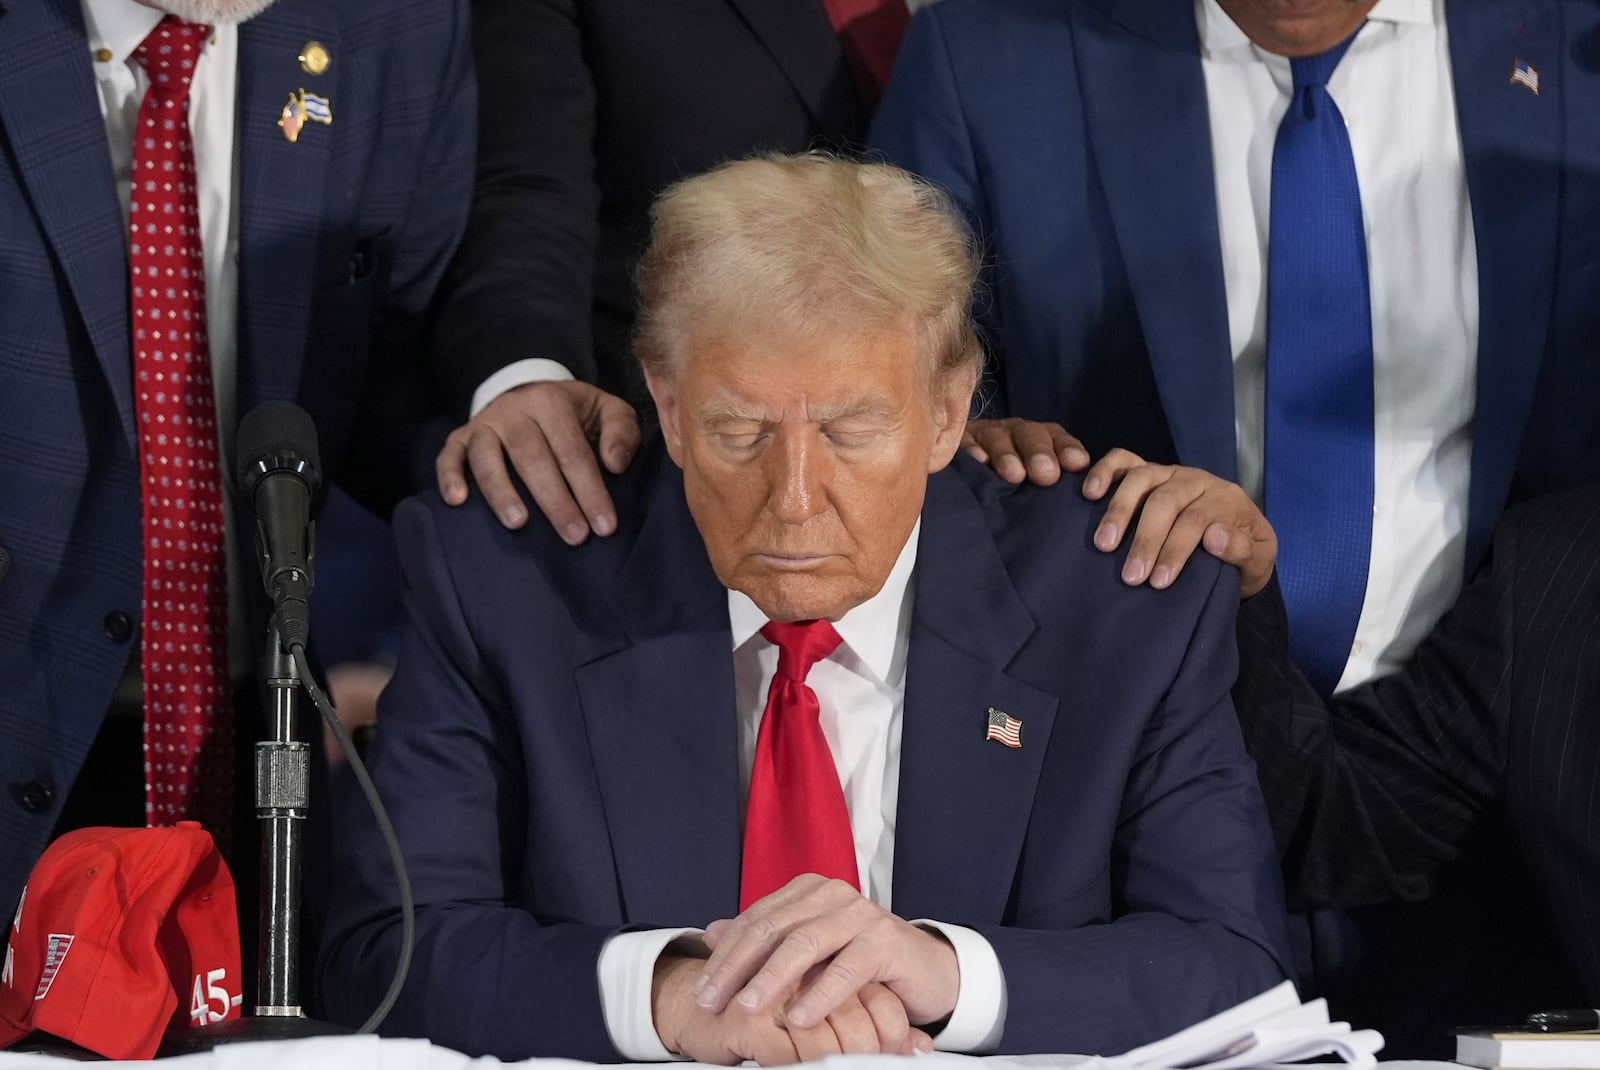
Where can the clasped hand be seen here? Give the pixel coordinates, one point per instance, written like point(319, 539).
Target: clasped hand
point(813, 969)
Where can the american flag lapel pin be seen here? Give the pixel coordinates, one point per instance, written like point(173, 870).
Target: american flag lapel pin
point(1004, 728)
point(1525, 75)
point(304, 108)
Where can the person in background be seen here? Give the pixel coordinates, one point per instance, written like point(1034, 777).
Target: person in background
point(207, 203)
point(1409, 771)
point(589, 109)
point(1335, 251)
point(835, 745)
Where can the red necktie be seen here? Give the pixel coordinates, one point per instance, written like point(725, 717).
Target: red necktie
point(796, 821)
point(870, 31)
point(188, 729)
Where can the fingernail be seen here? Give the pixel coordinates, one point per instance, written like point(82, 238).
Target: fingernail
point(604, 525)
point(1072, 457)
point(452, 492)
point(700, 983)
point(707, 996)
point(1011, 467)
point(749, 997)
point(514, 515)
point(1133, 571)
point(1106, 537)
point(1091, 485)
point(800, 1017)
point(1216, 540)
point(574, 532)
point(619, 457)
point(1040, 466)
point(924, 1044)
point(1161, 577)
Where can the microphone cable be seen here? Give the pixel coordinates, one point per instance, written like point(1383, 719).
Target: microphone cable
point(408, 907)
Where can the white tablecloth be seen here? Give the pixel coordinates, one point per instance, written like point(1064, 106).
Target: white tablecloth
point(372, 1053)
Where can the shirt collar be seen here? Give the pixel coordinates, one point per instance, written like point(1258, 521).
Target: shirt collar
point(118, 26)
point(871, 630)
point(1220, 34)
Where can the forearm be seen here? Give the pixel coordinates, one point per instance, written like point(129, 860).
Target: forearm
point(1102, 989)
point(520, 285)
point(1372, 792)
point(484, 980)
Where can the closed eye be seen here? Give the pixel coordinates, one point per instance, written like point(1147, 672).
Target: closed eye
point(739, 442)
point(853, 440)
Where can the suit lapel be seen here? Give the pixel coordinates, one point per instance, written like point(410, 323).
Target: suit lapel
point(802, 41)
point(963, 797)
point(1511, 138)
point(281, 203)
point(663, 729)
point(1145, 101)
point(50, 119)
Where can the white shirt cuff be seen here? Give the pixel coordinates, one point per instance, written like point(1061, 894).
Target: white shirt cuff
point(627, 970)
point(979, 1017)
point(518, 373)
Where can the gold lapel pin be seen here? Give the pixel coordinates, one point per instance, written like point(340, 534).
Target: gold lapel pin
point(314, 58)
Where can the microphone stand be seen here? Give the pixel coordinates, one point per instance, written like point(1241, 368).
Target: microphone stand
point(283, 770)
point(283, 796)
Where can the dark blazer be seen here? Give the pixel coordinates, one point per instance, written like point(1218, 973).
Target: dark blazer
point(589, 109)
point(342, 238)
point(1496, 719)
point(558, 755)
point(1075, 134)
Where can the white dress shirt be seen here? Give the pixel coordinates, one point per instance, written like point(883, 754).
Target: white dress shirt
point(860, 688)
point(1395, 90)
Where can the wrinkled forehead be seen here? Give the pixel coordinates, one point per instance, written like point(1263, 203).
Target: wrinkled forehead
point(770, 373)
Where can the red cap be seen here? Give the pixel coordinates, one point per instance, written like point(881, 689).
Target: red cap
point(121, 933)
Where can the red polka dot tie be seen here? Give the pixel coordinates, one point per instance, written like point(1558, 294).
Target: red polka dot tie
point(796, 820)
point(188, 729)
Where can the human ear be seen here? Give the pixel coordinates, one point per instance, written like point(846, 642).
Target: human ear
point(952, 401)
point(665, 394)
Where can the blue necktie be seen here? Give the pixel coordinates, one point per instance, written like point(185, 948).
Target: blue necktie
point(1319, 454)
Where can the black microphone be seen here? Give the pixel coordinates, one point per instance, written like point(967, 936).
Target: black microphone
point(280, 474)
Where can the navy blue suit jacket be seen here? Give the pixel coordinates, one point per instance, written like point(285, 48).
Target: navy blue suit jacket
point(342, 237)
point(559, 754)
point(1076, 136)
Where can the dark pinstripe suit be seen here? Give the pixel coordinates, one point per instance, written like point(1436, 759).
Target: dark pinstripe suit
point(342, 237)
point(1483, 755)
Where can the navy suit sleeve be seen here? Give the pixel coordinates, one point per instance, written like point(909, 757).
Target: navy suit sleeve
point(395, 399)
point(520, 285)
point(1199, 922)
point(920, 126)
point(447, 764)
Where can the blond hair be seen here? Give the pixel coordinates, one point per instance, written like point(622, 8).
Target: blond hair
point(804, 246)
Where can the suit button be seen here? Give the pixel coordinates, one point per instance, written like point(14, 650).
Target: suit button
point(37, 796)
point(118, 626)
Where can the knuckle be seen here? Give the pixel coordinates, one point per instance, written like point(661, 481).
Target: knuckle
point(1168, 497)
point(804, 942)
point(844, 975)
point(761, 928)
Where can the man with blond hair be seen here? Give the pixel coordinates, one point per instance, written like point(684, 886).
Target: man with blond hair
point(841, 743)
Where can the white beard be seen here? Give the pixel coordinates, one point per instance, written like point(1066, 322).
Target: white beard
point(211, 12)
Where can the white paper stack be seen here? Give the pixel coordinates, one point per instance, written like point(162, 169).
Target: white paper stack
point(1269, 1031)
